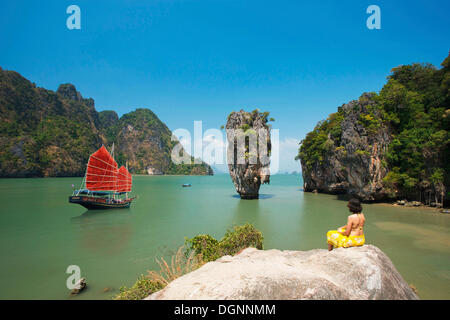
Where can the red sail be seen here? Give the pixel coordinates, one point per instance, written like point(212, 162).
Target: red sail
point(123, 180)
point(101, 174)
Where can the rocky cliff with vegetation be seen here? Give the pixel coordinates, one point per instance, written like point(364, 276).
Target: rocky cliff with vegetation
point(390, 145)
point(248, 153)
point(47, 133)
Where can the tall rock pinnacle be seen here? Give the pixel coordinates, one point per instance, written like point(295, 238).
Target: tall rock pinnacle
point(248, 152)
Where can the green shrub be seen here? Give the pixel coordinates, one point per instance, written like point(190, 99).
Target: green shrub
point(370, 122)
point(143, 287)
point(245, 127)
point(362, 153)
point(205, 245)
point(240, 237)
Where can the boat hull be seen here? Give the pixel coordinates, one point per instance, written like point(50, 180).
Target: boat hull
point(93, 203)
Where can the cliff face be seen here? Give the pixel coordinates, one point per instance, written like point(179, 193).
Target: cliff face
point(47, 133)
point(145, 146)
point(390, 145)
point(355, 161)
point(248, 167)
point(359, 273)
point(42, 133)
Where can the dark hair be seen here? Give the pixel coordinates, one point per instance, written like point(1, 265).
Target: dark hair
point(354, 205)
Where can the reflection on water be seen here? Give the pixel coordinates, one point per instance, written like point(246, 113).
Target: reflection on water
point(104, 232)
point(262, 196)
point(246, 211)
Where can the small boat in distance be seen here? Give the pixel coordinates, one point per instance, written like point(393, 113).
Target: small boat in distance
point(104, 186)
point(186, 185)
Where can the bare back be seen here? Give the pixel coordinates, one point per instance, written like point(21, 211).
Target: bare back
point(357, 221)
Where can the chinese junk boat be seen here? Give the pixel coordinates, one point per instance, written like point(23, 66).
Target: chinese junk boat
point(105, 185)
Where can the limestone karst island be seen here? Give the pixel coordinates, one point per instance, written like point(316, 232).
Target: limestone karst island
point(220, 151)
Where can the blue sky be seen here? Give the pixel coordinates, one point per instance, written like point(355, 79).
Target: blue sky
point(200, 60)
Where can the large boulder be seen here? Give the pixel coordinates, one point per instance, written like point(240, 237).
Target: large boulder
point(354, 273)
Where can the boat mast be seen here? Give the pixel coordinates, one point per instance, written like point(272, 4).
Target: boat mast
point(126, 166)
point(112, 151)
point(83, 182)
point(115, 187)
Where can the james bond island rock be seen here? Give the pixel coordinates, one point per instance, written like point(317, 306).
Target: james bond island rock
point(248, 153)
point(391, 145)
point(47, 133)
point(357, 273)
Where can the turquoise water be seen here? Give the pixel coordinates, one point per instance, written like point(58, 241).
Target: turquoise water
point(41, 234)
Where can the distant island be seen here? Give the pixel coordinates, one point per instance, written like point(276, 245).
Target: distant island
point(51, 134)
point(386, 146)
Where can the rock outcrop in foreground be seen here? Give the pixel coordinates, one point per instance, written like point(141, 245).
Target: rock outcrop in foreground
point(354, 273)
point(248, 153)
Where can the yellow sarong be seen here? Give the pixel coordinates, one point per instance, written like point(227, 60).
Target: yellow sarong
point(338, 240)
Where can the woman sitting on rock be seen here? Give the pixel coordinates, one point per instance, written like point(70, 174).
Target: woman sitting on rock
point(352, 234)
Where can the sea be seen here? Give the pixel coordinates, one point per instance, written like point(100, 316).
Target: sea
point(42, 235)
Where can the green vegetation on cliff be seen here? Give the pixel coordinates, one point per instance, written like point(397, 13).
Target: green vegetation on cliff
point(316, 145)
point(414, 106)
point(41, 132)
point(46, 133)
